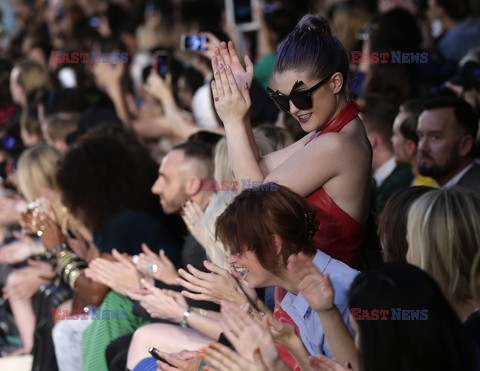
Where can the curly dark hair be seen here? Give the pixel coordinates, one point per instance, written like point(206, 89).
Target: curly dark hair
point(104, 172)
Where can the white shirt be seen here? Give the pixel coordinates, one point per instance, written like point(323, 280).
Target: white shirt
point(384, 171)
point(306, 319)
point(457, 177)
point(202, 107)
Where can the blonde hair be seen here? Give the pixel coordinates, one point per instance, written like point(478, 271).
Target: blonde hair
point(31, 76)
point(222, 169)
point(348, 20)
point(37, 169)
point(278, 137)
point(214, 248)
point(443, 233)
point(475, 280)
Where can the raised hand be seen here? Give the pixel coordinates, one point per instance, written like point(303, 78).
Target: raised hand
point(230, 86)
point(246, 334)
point(19, 250)
point(178, 297)
point(158, 87)
point(217, 286)
point(156, 266)
point(212, 43)
point(49, 231)
point(108, 75)
point(227, 55)
point(282, 333)
point(157, 303)
point(192, 215)
point(23, 283)
point(315, 287)
point(121, 276)
point(10, 210)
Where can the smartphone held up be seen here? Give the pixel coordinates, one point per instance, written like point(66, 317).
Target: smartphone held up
point(161, 62)
point(242, 14)
point(193, 42)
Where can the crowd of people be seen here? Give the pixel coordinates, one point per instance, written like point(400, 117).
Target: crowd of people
point(303, 196)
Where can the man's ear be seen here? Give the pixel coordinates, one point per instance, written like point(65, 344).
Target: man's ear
point(374, 139)
point(336, 82)
point(193, 185)
point(411, 147)
point(466, 144)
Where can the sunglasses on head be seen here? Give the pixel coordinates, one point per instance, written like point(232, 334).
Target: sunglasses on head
point(301, 99)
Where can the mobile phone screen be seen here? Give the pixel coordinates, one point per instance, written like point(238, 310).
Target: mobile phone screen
point(242, 11)
point(160, 63)
point(195, 43)
point(94, 22)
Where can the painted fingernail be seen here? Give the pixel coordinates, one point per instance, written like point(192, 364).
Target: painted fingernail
point(212, 344)
point(201, 356)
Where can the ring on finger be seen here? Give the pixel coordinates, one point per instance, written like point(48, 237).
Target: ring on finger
point(152, 267)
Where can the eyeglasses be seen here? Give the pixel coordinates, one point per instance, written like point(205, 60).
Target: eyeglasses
point(301, 99)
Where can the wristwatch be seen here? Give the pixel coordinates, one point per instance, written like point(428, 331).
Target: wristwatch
point(184, 321)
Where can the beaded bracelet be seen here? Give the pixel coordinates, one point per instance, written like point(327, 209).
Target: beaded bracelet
point(53, 252)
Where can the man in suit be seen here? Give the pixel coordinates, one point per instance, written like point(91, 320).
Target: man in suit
point(446, 130)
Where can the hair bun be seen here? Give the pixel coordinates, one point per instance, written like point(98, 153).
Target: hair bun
point(317, 23)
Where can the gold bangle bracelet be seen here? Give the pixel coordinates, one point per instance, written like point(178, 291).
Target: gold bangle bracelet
point(72, 278)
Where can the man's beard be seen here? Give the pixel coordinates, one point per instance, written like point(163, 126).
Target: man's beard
point(436, 171)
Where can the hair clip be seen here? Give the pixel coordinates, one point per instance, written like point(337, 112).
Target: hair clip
point(310, 224)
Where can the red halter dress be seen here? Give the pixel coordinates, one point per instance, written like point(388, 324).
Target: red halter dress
point(339, 235)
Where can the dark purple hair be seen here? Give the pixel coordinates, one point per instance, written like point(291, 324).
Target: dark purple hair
point(312, 47)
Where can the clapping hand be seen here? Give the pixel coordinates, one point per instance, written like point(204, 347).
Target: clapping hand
point(156, 266)
point(192, 215)
point(121, 275)
point(230, 88)
point(159, 303)
point(158, 87)
point(19, 250)
point(315, 287)
point(216, 286)
point(247, 335)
